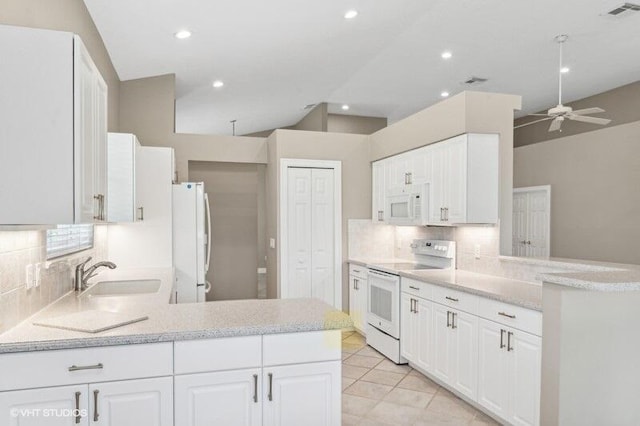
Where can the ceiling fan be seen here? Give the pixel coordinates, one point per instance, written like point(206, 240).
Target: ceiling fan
point(561, 112)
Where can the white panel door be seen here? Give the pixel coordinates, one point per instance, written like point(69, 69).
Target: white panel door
point(299, 233)
point(437, 154)
point(538, 220)
point(378, 195)
point(525, 357)
point(100, 139)
point(304, 394)
point(358, 302)
point(146, 402)
point(420, 166)
point(58, 406)
point(322, 235)
point(493, 391)
point(519, 242)
point(224, 398)
point(443, 362)
point(465, 353)
point(456, 180)
point(424, 347)
point(409, 328)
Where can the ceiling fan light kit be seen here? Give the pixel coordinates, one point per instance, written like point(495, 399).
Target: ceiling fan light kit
point(560, 112)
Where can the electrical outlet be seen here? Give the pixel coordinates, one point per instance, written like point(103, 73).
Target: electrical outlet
point(272, 243)
point(476, 251)
point(28, 275)
point(38, 274)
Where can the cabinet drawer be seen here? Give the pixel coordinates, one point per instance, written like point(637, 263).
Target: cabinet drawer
point(455, 299)
point(510, 315)
point(87, 365)
point(195, 356)
point(292, 348)
point(358, 271)
point(416, 288)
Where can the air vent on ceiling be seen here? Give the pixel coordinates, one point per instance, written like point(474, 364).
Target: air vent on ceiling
point(474, 81)
point(626, 7)
point(309, 106)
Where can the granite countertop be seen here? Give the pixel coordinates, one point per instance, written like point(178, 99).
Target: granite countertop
point(171, 322)
point(606, 281)
point(521, 293)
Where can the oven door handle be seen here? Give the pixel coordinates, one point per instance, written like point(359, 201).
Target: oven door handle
point(384, 275)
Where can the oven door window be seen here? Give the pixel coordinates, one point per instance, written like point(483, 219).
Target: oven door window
point(381, 303)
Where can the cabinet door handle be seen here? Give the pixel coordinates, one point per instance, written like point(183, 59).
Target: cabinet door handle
point(504, 314)
point(502, 338)
point(96, 210)
point(410, 175)
point(453, 321)
point(452, 299)
point(270, 396)
point(415, 306)
point(98, 366)
point(95, 405)
point(448, 320)
point(141, 217)
point(380, 215)
point(78, 416)
point(354, 284)
point(414, 288)
point(255, 388)
point(446, 214)
point(442, 214)
point(509, 347)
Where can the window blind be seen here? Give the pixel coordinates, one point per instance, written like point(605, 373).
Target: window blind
point(67, 239)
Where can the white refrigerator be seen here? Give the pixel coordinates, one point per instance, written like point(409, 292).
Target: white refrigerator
point(191, 241)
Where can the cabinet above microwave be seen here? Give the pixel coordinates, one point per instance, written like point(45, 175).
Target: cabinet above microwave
point(461, 175)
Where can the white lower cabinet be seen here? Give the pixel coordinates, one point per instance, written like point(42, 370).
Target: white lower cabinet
point(220, 398)
point(416, 331)
point(308, 394)
point(509, 372)
point(55, 406)
point(147, 402)
point(358, 293)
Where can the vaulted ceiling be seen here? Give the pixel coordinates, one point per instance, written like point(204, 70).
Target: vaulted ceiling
point(275, 57)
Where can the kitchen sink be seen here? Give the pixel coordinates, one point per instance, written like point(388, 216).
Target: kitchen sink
point(123, 288)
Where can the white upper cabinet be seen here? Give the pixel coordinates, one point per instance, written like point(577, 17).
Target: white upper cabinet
point(379, 171)
point(122, 194)
point(53, 129)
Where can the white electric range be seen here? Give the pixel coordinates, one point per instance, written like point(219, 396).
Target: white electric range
point(383, 311)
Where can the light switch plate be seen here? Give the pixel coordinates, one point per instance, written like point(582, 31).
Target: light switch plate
point(476, 251)
point(272, 243)
point(38, 274)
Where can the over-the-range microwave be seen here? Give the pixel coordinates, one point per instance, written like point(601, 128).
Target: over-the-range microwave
point(408, 205)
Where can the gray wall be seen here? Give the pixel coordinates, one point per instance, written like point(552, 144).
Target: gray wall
point(339, 123)
point(595, 202)
point(236, 196)
point(72, 16)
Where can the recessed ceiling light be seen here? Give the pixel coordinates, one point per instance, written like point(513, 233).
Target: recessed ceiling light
point(446, 55)
point(183, 34)
point(564, 70)
point(444, 94)
point(345, 107)
point(351, 14)
point(218, 84)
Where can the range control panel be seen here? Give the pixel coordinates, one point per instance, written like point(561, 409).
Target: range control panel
point(436, 248)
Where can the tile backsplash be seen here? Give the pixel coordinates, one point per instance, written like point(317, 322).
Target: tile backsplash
point(20, 248)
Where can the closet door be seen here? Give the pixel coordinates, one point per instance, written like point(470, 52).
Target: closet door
point(322, 235)
point(299, 233)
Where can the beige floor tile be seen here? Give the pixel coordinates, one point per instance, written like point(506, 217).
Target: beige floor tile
point(362, 361)
point(453, 407)
point(351, 347)
point(347, 333)
point(369, 422)
point(368, 390)
point(395, 414)
point(346, 382)
point(350, 420)
point(387, 365)
point(353, 372)
point(382, 377)
point(369, 351)
point(430, 418)
point(418, 383)
point(357, 405)
point(482, 419)
point(346, 355)
point(355, 338)
point(409, 397)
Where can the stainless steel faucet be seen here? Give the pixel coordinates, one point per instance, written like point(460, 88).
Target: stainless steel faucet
point(82, 275)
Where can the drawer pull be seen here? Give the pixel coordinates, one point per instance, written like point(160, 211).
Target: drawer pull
point(452, 299)
point(99, 366)
point(504, 314)
point(357, 271)
point(414, 288)
point(78, 415)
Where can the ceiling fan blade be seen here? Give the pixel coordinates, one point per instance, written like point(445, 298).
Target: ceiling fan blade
point(538, 115)
point(555, 124)
point(532, 122)
point(588, 111)
point(592, 120)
